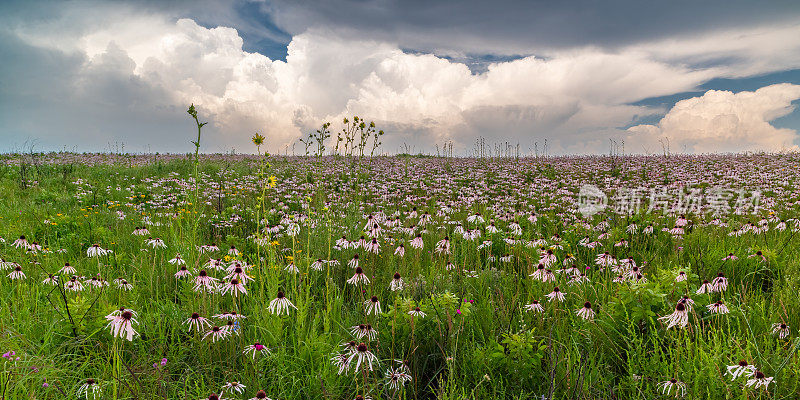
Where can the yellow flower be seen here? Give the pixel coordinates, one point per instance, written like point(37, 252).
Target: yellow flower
point(271, 181)
point(258, 140)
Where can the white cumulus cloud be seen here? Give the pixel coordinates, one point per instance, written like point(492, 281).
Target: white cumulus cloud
point(723, 121)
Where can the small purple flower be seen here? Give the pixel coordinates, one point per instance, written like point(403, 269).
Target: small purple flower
point(163, 362)
point(458, 311)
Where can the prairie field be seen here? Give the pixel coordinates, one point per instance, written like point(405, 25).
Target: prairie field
point(399, 277)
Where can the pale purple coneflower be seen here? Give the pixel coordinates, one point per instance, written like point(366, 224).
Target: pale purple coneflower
point(396, 283)
point(197, 322)
point(740, 369)
point(556, 294)
point(216, 333)
point(183, 272)
point(256, 348)
point(234, 286)
point(362, 355)
point(586, 312)
point(372, 305)
point(96, 251)
point(759, 380)
point(679, 318)
point(718, 308)
point(358, 277)
point(666, 387)
point(781, 330)
point(416, 312)
point(280, 305)
point(534, 306)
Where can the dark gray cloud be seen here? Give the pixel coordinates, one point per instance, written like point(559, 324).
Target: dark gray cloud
point(523, 27)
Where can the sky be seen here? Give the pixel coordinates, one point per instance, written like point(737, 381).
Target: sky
point(571, 77)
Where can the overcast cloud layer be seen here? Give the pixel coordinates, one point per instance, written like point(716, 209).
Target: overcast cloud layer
point(91, 76)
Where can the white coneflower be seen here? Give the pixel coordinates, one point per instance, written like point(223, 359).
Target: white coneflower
point(476, 218)
point(396, 378)
point(238, 273)
point(417, 312)
point(740, 369)
point(358, 277)
point(280, 305)
point(215, 264)
point(759, 380)
point(156, 243)
point(362, 356)
point(718, 308)
point(256, 348)
point(586, 312)
point(96, 282)
point(260, 395)
point(720, 283)
point(443, 246)
point(96, 251)
point(230, 316)
point(373, 246)
point(667, 387)
point(73, 285)
point(687, 301)
point(353, 263)
point(339, 360)
point(233, 387)
point(648, 229)
point(216, 333)
point(21, 243)
point(362, 331)
point(67, 269)
point(548, 258)
point(234, 286)
point(208, 248)
point(605, 260)
point(183, 272)
point(51, 280)
point(318, 265)
point(396, 283)
point(372, 305)
point(197, 322)
point(681, 277)
point(706, 287)
point(121, 323)
point(780, 329)
point(34, 247)
point(417, 242)
point(534, 306)
point(680, 317)
point(204, 283)
point(233, 251)
point(123, 284)
point(758, 254)
point(400, 250)
point(730, 256)
point(16, 273)
point(90, 389)
point(556, 294)
point(177, 260)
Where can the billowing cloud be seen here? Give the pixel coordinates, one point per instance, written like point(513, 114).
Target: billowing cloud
point(129, 75)
point(723, 121)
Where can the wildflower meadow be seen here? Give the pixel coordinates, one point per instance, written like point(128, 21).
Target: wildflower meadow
point(344, 274)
